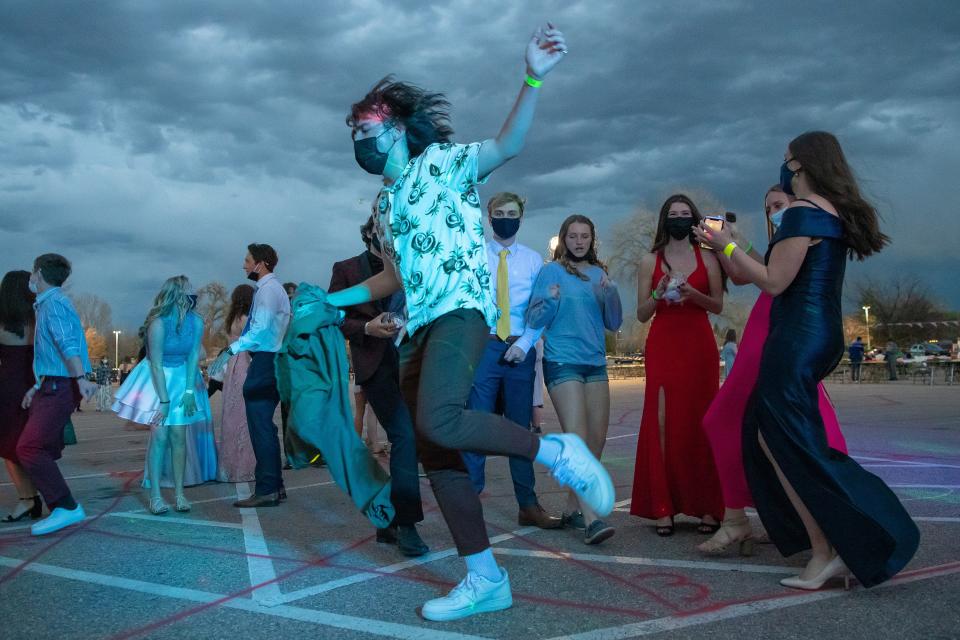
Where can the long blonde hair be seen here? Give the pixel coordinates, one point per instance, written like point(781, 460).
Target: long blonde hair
point(173, 297)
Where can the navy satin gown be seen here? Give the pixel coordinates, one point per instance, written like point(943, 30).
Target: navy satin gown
point(861, 517)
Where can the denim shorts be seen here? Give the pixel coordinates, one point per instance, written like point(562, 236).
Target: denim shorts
point(555, 373)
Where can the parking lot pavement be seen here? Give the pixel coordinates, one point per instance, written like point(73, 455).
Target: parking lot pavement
point(312, 566)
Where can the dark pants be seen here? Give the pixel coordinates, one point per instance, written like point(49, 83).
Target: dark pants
point(284, 418)
point(41, 441)
point(892, 365)
point(382, 390)
point(855, 371)
point(513, 384)
point(436, 373)
point(261, 397)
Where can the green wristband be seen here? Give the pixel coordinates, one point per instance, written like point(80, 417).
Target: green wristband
point(533, 82)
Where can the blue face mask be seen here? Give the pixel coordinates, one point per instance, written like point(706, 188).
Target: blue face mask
point(777, 217)
point(785, 177)
point(369, 157)
point(505, 228)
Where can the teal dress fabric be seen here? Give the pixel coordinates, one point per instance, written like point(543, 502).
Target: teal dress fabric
point(314, 377)
point(861, 517)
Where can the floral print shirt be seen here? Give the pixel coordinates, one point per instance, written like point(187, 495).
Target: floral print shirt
point(431, 227)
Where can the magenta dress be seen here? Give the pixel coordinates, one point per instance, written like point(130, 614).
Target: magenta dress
point(237, 460)
point(723, 421)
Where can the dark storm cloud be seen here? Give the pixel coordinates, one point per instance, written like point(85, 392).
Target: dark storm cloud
point(160, 137)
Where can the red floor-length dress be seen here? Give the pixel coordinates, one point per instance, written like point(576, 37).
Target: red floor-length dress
point(681, 358)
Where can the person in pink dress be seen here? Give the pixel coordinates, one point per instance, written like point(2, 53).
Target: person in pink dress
point(237, 460)
point(724, 419)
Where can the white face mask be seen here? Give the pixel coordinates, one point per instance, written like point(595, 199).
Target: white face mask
point(777, 217)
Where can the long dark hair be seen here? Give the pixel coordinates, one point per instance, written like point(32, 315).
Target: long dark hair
point(829, 175)
point(425, 115)
point(240, 302)
point(562, 255)
point(16, 302)
point(661, 238)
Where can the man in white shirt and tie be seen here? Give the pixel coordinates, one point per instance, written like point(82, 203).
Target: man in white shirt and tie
point(262, 338)
point(504, 379)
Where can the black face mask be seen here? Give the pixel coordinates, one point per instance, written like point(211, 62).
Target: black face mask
point(679, 228)
point(368, 156)
point(253, 275)
point(505, 228)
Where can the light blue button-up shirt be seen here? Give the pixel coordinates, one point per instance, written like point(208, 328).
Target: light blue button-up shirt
point(268, 320)
point(59, 335)
point(523, 266)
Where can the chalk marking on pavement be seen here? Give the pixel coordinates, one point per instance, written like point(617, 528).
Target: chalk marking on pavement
point(260, 568)
point(651, 562)
point(324, 618)
point(176, 520)
point(378, 572)
point(672, 623)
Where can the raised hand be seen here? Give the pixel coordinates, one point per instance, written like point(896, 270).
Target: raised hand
point(716, 239)
point(546, 48)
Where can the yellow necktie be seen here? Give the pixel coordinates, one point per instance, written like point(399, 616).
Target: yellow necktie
point(503, 297)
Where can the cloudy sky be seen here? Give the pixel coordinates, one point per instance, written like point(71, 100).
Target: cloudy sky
point(147, 139)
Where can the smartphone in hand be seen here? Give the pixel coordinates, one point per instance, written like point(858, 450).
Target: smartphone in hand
point(712, 222)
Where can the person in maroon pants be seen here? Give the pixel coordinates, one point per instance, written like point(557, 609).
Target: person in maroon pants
point(60, 364)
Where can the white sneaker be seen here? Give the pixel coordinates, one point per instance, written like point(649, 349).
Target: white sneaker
point(474, 594)
point(578, 469)
point(57, 520)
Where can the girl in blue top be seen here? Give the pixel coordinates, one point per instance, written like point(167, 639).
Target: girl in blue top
point(575, 300)
point(166, 389)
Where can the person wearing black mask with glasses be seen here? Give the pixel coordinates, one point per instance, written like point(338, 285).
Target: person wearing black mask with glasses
point(503, 382)
point(262, 338)
point(371, 331)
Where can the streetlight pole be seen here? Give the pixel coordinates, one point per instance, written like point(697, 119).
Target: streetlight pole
point(116, 348)
point(866, 312)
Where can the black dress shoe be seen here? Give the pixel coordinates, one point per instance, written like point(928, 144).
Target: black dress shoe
point(387, 535)
point(255, 501)
point(409, 541)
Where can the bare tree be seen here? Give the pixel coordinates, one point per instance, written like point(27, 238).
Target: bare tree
point(631, 240)
point(96, 344)
point(213, 301)
point(897, 305)
point(94, 312)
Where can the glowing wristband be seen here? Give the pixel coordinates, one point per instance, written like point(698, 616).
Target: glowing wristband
point(729, 249)
point(749, 247)
point(653, 294)
point(533, 82)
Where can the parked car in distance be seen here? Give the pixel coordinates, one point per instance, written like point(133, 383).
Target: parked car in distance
point(927, 349)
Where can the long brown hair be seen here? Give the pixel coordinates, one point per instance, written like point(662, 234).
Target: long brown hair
point(829, 175)
point(16, 302)
point(661, 238)
point(240, 302)
point(562, 256)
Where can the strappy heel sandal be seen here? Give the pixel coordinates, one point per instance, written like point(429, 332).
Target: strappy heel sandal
point(33, 512)
point(183, 505)
point(158, 507)
point(665, 530)
point(731, 532)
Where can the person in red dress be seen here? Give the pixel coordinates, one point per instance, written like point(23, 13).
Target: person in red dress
point(678, 283)
point(16, 376)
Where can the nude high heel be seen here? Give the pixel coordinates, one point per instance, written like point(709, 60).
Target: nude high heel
point(833, 569)
point(738, 532)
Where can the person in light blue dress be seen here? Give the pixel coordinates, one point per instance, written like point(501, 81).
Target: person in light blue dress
point(166, 392)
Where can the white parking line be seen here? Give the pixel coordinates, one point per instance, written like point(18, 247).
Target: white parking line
point(393, 568)
point(324, 618)
point(672, 623)
point(649, 562)
point(260, 568)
